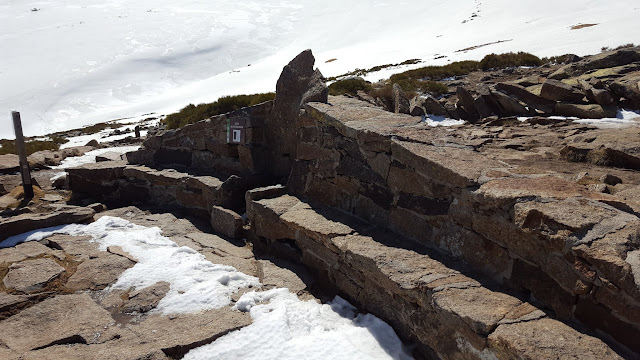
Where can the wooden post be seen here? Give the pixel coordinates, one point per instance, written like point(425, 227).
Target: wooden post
point(22, 153)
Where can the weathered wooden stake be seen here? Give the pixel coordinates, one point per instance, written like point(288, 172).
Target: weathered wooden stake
point(22, 153)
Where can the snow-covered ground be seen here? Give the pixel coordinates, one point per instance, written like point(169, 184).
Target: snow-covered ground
point(88, 158)
point(105, 135)
point(78, 62)
point(284, 327)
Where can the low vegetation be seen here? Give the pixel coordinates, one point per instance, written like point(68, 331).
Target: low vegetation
point(625, 46)
point(349, 86)
point(193, 113)
point(501, 61)
point(9, 146)
point(434, 73)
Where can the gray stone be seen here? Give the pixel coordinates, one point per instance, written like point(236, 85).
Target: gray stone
point(24, 251)
point(226, 222)
point(298, 84)
point(509, 105)
point(530, 99)
point(26, 222)
point(585, 111)
point(433, 107)
point(64, 318)
point(610, 179)
point(32, 275)
point(400, 100)
point(546, 339)
point(559, 91)
point(145, 299)
point(265, 193)
point(416, 106)
point(226, 248)
point(109, 156)
point(465, 100)
point(98, 273)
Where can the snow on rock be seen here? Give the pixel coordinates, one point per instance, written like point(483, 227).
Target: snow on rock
point(289, 328)
point(284, 327)
point(196, 283)
point(88, 158)
point(437, 120)
point(625, 118)
point(110, 59)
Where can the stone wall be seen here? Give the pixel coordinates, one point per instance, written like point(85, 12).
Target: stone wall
point(507, 204)
point(203, 146)
point(573, 250)
point(449, 315)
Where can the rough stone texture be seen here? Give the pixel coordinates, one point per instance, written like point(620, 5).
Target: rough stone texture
point(9, 164)
point(176, 335)
point(433, 107)
point(508, 105)
point(167, 187)
point(31, 275)
point(546, 339)
point(559, 91)
point(585, 111)
point(298, 84)
point(446, 311)
point(109, 156)
point(24, 251)
point(466, 101)
point(26, 222)
point(400, 101)
point(530, 99)
point(226, 222)
point(470, 195)
point(98, 273)
point(416, 106)
point(72, 318)
point(143, 300)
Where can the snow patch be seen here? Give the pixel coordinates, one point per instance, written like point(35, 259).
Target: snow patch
point(196, 283)
point(289, 328)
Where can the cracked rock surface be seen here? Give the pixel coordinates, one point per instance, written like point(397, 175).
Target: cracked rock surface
point(56, 301)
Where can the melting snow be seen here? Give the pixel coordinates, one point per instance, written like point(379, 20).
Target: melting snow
point(288, 328)
point(284, 327)
point(196, 283)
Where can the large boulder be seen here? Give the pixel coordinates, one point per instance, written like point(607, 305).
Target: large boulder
point(416, 106)
point(524, 95)
point(586, 111)
point(509, 105)
point(434, 107)
point(298, 84)
point(9, 164)
point(559, 91)
point(465, 100)
point(604, 60)
point(629, 88)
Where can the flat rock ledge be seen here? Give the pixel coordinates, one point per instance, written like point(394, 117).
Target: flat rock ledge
point(450, 314)
point(53, 306)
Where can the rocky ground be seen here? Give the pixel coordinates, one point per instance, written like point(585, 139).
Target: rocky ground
point(56, 302)
point(514, 233)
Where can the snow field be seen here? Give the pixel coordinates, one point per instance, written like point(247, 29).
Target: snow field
point(287, 328)
point(86, 61)
point(284, 327)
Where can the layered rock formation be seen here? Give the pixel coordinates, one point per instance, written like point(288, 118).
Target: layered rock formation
point(594, 87)
point(504, 238)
